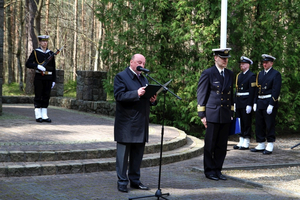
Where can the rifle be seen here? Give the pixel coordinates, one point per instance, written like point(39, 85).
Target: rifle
point(50, 58)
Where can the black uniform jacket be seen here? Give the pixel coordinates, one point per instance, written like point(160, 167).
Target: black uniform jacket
point(215, 101)
point(37, 57)
point(269, 84)
point(245, 83)
point(132, 112)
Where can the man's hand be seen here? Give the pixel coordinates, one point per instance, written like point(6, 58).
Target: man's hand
point(141, 91)
point(53, 83)
point(234, 107)
point(254, 107)
point(203, 120)
point(153, 99)
point(270, 109)
point(41, 68)
point(248, 109)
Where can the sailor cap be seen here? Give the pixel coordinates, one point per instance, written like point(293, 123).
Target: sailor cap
point(266, 57)
point(222, 53)
point(43, 37)
point(244, 59)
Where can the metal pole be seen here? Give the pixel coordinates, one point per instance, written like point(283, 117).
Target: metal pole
point(223, 35)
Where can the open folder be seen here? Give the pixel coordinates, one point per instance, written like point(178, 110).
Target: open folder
point(154, 89)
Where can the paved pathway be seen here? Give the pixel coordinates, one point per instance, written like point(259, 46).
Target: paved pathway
point(73, 130)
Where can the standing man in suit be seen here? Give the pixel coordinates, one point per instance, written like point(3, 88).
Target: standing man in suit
point(44, 79)
point(215, 107)
point(244, 98)
point(268, 82)
point(131, 129)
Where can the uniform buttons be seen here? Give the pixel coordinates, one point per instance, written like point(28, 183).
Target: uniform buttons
point(221, 99)
point(221, 105)
point(227, 99)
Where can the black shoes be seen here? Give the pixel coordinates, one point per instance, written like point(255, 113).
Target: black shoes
point(212, 177)
point(236, 147)
point(256, 150)
point(40, 120)
point(266, 152)
point(139, 186)
point(222, 177)
point(47, 120)
point(122, 188)
point(244, 148)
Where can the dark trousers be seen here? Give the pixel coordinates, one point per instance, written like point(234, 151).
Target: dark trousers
point(42, 90)
point(215, 147)
point(265, 125)
point(134, 152)
point(246, 122)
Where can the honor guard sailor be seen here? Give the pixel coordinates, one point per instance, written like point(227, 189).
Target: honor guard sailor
point(215, 108)
point(45, 77)
point(268, 83)
point(244, 98)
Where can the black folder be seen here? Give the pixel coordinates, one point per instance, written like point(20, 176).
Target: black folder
point(151, 90)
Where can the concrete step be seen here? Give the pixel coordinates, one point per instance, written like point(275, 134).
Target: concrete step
point(79, 154)
point(192, 148)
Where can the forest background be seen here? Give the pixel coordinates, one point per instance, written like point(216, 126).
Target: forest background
point(176, 37)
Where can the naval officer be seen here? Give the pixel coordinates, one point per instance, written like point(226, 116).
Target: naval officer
point(268, 83)
point(215, 108)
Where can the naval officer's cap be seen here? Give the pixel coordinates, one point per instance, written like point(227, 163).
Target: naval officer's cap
point(43, 37)
point(266, 57)
point(244, 59)
point(222, 53)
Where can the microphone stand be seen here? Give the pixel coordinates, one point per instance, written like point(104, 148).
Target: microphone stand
point(158, 192)
point(295, 145)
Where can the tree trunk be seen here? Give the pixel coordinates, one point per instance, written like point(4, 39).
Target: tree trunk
point(32, 42)
point(1, 49)
point(9, 35)
point(75, 40)
point(19, 44)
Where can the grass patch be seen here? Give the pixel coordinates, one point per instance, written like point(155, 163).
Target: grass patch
point(12, 90)
point(70, 89)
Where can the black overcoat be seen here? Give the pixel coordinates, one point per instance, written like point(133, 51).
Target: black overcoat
point(132, 112)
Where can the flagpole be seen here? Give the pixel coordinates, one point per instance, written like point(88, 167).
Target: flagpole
point(223, 35)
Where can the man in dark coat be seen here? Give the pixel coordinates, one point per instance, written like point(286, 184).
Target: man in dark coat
point(44, 79)
point(131, 129)
point(268, 82)
point(215, 107)
point(244, 97)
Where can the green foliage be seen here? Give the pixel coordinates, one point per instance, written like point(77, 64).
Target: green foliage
point(176, 37)
point(12, 89)
point(70, 89)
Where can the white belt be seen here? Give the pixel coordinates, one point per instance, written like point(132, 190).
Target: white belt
point(45, 73)
point(264, 96)
point(242, 93)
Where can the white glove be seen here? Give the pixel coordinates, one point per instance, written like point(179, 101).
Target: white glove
point(53, 83)
point(234, 107)
point(41, 68)
point(248, 109)
point(254, 107)
point(270, 109)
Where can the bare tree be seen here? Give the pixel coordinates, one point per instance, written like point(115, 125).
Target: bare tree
point(19, 44)
point(75, 40)
point(33, 24)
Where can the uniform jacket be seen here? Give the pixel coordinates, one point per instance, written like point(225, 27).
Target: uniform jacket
point(245, 83)
point(268, 84)
point(215, 101)
point(132, 112)
point(37, 57)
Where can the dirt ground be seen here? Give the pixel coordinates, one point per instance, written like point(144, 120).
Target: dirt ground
point(280, 169)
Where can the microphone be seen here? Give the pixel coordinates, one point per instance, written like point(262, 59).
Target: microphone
point(139, 68)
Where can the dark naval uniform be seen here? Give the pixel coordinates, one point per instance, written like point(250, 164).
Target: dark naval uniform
point(268, 91)
point(268, 83)
point(215, 102)
point(244, 96)
point(42, 81)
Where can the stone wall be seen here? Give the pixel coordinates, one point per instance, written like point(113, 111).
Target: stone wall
point(90, 86)
point(58, 89)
